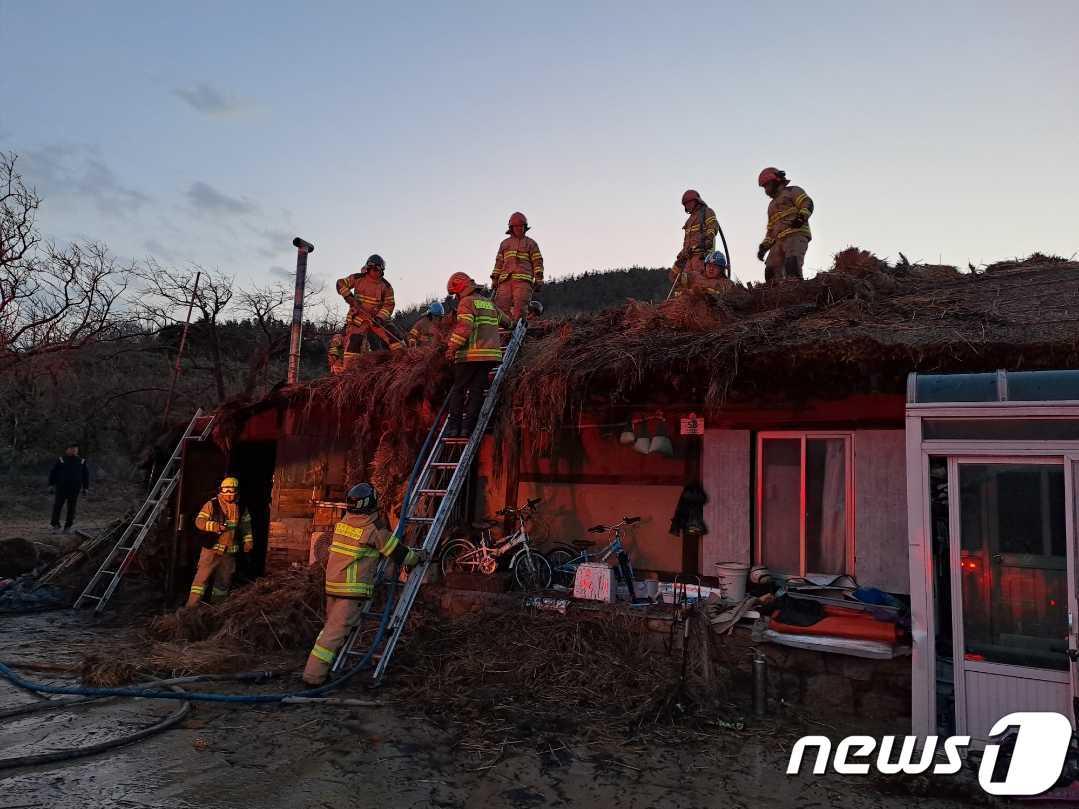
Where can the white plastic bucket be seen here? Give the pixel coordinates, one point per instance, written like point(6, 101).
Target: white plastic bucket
point(732, 580)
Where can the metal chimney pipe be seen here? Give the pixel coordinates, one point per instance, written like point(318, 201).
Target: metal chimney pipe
point(302, 250)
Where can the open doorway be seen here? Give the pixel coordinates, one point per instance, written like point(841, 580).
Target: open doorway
point(252, 462)
point(204, 464)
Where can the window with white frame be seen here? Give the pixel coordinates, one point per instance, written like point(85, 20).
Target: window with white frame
point(805, 502)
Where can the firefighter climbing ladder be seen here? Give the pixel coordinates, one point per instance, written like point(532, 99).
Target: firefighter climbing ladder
point(105, 581)
point(438, 479)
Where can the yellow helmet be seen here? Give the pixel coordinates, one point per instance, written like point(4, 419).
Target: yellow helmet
point(229, 482)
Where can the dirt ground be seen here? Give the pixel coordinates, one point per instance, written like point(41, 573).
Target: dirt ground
point(26, 506)
point(308, 756)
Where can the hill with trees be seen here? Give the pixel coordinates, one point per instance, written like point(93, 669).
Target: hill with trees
point(88, 345)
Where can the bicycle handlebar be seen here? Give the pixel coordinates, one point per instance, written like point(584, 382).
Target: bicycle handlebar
point(603, 529)
point(510, 511)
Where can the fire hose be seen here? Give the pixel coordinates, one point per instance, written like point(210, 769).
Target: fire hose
point(255, 699)
point(169, 690)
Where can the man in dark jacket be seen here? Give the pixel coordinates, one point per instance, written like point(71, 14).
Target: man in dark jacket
point(68, 477)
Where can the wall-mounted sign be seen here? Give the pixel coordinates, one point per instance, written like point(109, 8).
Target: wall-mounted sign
point(692, 425)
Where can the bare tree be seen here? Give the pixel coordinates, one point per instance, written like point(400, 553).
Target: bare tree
point(52, 299)
point(167, 292)
point(268, 309)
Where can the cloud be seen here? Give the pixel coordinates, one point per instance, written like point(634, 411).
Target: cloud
point(274, 243)
point(204, 197)
point(281, 273)
point(78, 171)
point(158, 250)
point(207, 99)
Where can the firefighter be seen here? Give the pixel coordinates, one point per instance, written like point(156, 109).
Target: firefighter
point(518, 269)
point(475, 349)
point(228, 531)
point(67, 478)
point(335, 354)
point(355, 550)
point(787, 236)
point(714, 278)
point(370, 298)
point(698, 236)
point(425, 330)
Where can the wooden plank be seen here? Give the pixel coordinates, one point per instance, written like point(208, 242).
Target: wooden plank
point(880, 510)
point(293, 503)
point(725, 474)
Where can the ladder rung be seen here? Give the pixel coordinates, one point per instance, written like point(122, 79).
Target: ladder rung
point(108, 572)
point(427, 520)
point(87, 595)
point(444, 465)
point(454, 440)
point(124, 548)
point(434, 492)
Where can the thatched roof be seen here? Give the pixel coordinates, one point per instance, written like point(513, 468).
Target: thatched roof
point(858, 328)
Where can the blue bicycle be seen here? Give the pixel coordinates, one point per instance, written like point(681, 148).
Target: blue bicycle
point(565, 557)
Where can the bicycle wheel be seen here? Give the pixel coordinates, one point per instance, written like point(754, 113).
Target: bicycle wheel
point(450, 560)
point(563, 564)
point(531, 571)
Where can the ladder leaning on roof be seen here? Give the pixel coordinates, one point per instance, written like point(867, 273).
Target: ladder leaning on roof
point(437, 480)
point(105, 581)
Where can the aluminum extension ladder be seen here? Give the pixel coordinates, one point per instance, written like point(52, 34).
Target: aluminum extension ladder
point(438, 478)
point(105, 581)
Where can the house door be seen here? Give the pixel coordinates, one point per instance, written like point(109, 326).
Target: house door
point(1012, 528)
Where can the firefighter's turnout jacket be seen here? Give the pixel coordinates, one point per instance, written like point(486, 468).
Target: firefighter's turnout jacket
point(699, 236)
point(355, 549)
point(237, 526)
point(475, 334)
point(518, 259)
point(423, 332)
point(367, 294)
point(790, 202)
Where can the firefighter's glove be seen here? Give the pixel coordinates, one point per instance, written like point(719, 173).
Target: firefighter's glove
point(451, 353)
point(249, 545)
point(414, 557)
point(761, 251)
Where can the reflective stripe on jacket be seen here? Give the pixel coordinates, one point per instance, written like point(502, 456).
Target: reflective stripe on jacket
point(239, 525)
point(423, 331)
point(354, 552)
point(791, 201)
point(519, 259)
point(699, 235)
point(475, 334)
point(364, 292)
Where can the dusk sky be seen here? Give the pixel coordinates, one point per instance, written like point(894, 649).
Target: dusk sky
point(195, 134)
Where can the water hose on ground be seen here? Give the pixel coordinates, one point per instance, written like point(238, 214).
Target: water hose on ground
point(54, 704)
point(253, 699)
point(67, 754)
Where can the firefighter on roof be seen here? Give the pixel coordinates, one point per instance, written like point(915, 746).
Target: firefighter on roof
point(425, 330)
point(518, 269)
point(370, 303)
point(698, 236)
point(787, 236)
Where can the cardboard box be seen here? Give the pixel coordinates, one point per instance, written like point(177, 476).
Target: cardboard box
point(594, 581)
